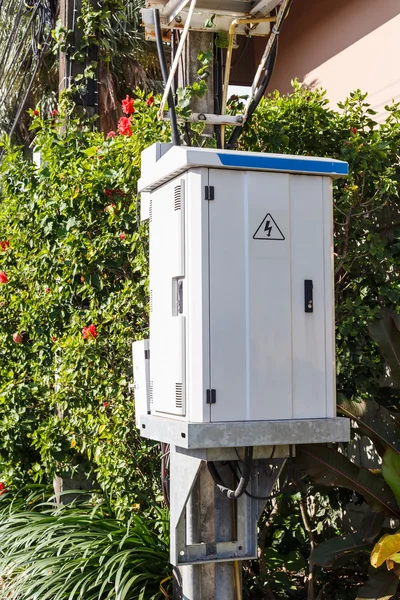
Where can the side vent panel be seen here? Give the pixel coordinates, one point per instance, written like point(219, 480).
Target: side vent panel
point(151, 392)
point(151, 300)
point(150, 209)
point(179, 395)
point(178, 197)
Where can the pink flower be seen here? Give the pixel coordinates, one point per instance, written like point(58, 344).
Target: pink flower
point(127, 105)
point(111, 134)
point(110, 208)
point(17, 338)
point(54, 113)
point(122, 236)
point(47, 290)
point(124, 126)
point(89, 333)
point(3, 277)
point(150, 101)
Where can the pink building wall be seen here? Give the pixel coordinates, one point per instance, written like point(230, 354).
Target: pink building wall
point(342, 45)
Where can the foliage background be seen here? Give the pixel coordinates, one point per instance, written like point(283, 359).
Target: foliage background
point(68, 268)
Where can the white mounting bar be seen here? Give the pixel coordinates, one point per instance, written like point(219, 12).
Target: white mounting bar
point(210, 119)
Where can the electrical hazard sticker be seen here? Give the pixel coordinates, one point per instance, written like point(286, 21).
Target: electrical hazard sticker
point(268, 230)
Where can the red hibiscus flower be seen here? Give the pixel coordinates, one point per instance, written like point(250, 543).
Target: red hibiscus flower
point(353, 130)
point(89, 333)
point(17, 338)
point(5, 245)
point(54, 113)
point(3, 277)
point(105, 404)
point(108, 193)
point(127, 105)
point(150, 101)
point(35, 113)
point(3, 489)
point(54, 339)
point(122, 236)
point(124, 126)
point(111, 134)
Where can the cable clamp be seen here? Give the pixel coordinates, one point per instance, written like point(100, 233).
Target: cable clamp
point(275, 30)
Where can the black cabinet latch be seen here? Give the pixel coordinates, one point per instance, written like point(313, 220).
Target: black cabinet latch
point(308, 296)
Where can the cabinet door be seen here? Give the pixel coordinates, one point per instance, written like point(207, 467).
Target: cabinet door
point(167, 319)
point(250, 296)
point(308, 251)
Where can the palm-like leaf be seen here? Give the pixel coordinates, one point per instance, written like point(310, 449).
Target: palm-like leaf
point(76, 552)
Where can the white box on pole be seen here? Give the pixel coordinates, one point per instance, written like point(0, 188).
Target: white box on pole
point(241, 285)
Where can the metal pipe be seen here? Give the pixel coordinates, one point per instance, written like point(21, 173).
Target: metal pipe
point(175, 63)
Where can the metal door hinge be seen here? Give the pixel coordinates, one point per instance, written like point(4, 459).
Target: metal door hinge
point(209, 192)
point(211, 396)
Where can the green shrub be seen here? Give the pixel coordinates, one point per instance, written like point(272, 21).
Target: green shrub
point(79, 552)
point(74, 256)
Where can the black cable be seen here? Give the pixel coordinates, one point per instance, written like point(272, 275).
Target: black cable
point(11, 38)
point(269, 67)
point(243, 481)
point(16, 53)
point(164, 71)
point(21, 106)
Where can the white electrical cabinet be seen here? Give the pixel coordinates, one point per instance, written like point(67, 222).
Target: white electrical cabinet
point(241, 285)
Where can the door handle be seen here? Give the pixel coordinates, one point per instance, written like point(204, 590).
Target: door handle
point(308, 296)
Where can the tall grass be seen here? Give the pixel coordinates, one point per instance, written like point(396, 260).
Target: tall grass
point(80, 551)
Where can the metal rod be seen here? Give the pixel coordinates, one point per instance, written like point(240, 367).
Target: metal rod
point(176, 60)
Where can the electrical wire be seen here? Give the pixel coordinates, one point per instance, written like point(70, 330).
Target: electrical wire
point(22, 57)
point(244, 478)
point(164, 71)
point(269, 67)
point(165, 456)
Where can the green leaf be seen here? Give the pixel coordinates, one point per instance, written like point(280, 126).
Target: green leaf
point(326, 466)
point(391, 471)
point(382, 585)
point(330, 554)
point(374, 420)
point(386, 333)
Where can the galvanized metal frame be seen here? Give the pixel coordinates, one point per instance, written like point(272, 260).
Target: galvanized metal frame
point(246, 433)
point(184, 469)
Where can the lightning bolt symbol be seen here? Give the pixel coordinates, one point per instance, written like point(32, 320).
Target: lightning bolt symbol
point(268, 228)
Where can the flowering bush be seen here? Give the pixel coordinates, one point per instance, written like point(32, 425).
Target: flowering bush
point(73, 277)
